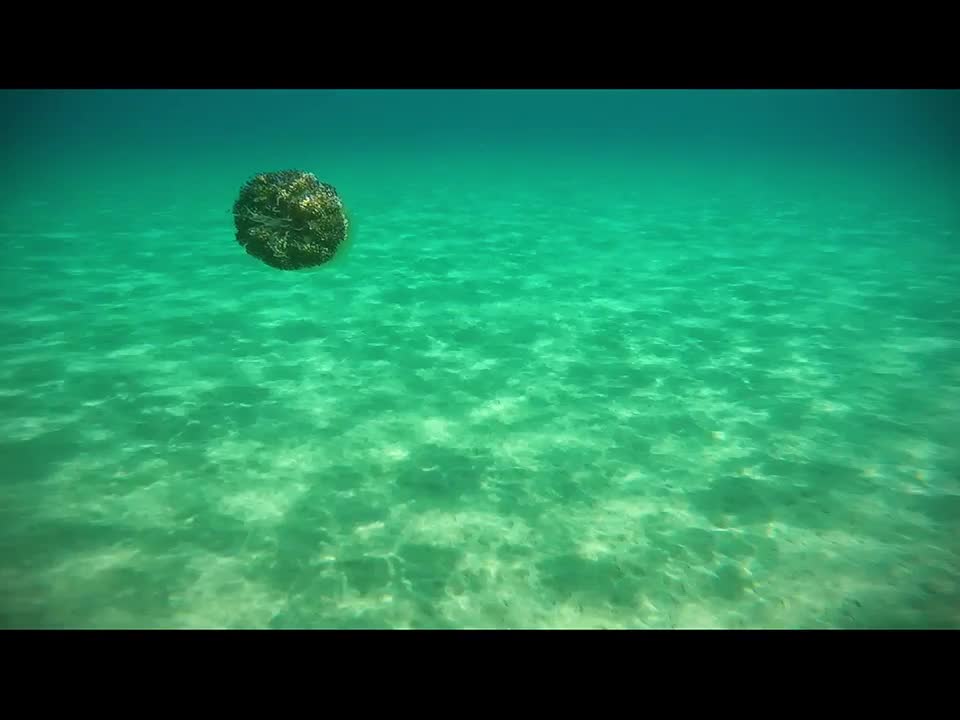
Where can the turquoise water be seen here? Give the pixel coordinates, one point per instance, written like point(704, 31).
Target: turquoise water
point(620, 360)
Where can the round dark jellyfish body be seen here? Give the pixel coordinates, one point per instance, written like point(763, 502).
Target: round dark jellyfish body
point(289, 220)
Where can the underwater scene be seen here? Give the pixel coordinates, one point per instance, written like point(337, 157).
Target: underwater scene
point(470, 359)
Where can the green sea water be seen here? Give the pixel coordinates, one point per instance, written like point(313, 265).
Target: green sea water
point(594, 360)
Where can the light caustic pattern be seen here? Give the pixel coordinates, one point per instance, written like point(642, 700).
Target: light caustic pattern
point(598, 414)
